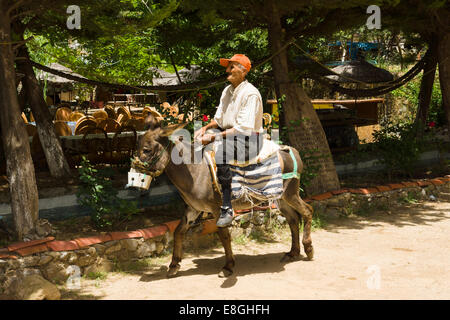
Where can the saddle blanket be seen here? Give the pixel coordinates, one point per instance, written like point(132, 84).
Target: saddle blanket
point(262, 180)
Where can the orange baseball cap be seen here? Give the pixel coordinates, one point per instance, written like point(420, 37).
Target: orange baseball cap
point(241, 58)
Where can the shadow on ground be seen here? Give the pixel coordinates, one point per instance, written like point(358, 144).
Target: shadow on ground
point(425, 213)
point(246, 264)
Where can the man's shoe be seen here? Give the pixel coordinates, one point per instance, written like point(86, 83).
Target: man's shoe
point(226, 217)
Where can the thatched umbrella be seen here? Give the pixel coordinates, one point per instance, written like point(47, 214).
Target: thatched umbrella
point(360, 71)
point(164, 78)
point(57, 80)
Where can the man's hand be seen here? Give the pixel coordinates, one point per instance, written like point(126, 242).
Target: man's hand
point(199, 133)
point(207, 138)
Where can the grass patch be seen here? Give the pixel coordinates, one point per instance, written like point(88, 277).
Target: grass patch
point(409, 199)
point(318, 222)
point(98, 275)
point(140, 265)
point(240, 240)
point(365, 209)
point(262, 236)
point(134, 266)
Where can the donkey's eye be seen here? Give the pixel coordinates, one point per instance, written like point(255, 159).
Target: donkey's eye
point(147, 151)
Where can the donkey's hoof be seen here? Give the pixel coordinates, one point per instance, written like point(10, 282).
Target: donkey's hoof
point(288, 257)
point(309, 253)
point(172, 272)
point(225, 273)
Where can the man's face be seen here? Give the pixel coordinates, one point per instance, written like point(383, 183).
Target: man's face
point(236, 74)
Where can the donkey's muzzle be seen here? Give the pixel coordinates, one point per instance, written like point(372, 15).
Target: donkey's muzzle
point(138, 180)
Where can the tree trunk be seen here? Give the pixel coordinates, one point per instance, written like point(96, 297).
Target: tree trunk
point(19, 166)
point(57, 163)
point(444, 73)
point(399, 48)
point(305, 131)
point(426, 85)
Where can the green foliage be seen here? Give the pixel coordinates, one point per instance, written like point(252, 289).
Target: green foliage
point(408, 95)
point(99, 275)
point(318, 222)
point(410, 198)
point(97, 193)
point(398, 147)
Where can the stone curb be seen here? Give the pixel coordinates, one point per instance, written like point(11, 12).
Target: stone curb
point(54, 260)
point(50, 244)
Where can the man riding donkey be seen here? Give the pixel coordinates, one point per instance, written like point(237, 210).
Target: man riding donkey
point(239, 117)
point(249, 173)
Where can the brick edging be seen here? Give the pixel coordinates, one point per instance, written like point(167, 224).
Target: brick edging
point(22, 249)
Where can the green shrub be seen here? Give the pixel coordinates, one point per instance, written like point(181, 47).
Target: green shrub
point(97, 193)
point(398, 147)
point(410, 92)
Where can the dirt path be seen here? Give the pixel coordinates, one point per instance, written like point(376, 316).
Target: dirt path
point(400, 255)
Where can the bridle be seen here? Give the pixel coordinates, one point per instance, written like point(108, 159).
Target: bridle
point(144, 167)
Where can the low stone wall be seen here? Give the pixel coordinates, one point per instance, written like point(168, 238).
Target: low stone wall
point(47, 261)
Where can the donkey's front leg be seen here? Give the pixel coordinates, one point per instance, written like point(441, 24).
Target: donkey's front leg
point(190, 215)
point(225, 238)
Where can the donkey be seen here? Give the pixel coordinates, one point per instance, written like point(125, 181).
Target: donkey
point(194, 183)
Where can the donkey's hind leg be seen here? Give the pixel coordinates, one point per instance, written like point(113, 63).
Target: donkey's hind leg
point(306, 212)
point(189, 217)
point(293, 220)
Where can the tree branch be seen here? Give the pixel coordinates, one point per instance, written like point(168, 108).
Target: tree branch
point(21, 43)
point(14, 17)
point(16, 6)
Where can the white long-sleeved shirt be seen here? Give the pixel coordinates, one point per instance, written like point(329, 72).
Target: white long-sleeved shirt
point(240, 108)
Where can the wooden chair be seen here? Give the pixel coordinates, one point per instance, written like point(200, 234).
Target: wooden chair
point(146, 111)
point(75, 116)
point(31, 130)
point(62, 128)
point(86, 121)
point(63, 114)
point(100, 115)
point(122, 148)
point(267, 119)
point(158, 116)
point(110, 111)
point(24, 117)
point(109, 125)
point(123, 115)
point(137, 123)
point(96, 148)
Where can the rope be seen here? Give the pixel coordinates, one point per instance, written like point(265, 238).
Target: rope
point(204, 84)
point(327, 68)
point(380, 90)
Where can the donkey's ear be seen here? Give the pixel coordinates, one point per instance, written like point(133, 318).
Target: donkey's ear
point(151, 122)
point(167, 131)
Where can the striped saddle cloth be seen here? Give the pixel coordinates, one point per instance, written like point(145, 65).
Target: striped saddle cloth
point(262, 181)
